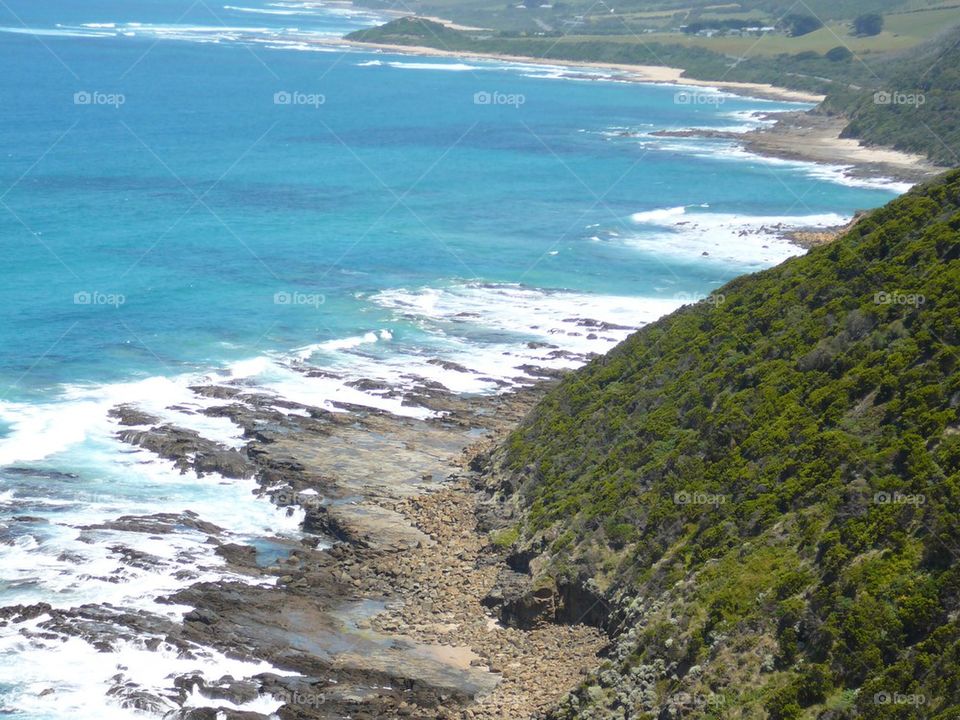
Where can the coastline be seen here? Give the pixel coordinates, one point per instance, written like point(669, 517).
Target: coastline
point(812, 137)
point(394, 602)
point(797, 135)
point(657, 74)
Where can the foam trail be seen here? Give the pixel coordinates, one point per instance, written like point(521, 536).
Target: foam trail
point(729, 238)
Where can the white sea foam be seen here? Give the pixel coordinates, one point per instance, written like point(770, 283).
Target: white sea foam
point(660, 215)
point(839, 174)
point(60, 563)
point(54, 679)
point(265, 11)
point(737, 239)
point(289, 378)
point(55, 32)
point(525, 318)
point(37, 431)
point(731, 151)
point(450, 67)
point(298, 46)
point(484, 338)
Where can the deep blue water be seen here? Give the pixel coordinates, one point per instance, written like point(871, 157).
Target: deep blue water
point(165, 216)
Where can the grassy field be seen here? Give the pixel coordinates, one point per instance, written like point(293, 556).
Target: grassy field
point(906, 26)
point(902, 31)
point(771, 44)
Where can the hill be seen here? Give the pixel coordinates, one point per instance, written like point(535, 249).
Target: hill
point(914, 104)
point(758, 496)
point(904, 17)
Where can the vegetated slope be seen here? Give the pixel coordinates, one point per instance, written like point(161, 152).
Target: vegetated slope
point(764, 488)
point(806, 71)
point(497, 14)
point(915, 102)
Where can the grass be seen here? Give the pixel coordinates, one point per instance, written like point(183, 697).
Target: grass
point(922, 24)
point(902, 31)
point(771, 44)
point(505, 538)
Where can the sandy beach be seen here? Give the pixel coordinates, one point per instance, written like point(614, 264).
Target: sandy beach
point(816, 137)
point(631, 73)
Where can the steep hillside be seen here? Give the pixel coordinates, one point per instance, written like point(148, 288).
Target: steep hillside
point(759, 495)
point(915, 102)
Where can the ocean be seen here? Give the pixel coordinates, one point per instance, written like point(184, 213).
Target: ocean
point(205, 193)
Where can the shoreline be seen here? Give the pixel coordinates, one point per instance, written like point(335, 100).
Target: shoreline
point(812, 137)
point(655, 74)
point(390, 602)
point(797, 135)
point(407, 591)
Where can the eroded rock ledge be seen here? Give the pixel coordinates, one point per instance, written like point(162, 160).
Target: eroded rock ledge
point(395, 603)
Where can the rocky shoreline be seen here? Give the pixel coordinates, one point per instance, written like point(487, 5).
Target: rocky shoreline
point(395, 602)
point(808, 136)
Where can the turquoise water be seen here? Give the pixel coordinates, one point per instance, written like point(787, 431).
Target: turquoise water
point(166, 216)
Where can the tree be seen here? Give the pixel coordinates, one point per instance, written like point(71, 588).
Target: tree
point(797, 25)
point(868, 24)
point(839, 53)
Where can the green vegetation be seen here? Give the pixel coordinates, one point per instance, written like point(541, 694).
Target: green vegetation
point(913, 104)
point(807, 71)
point(505, 538)
point(645, 15)
point(868, 24)
point(766, 491)
point(797, 25)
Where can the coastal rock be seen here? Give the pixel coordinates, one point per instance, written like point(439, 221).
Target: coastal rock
point(158, 524)
point(130, 415)
point(448, 365)
point(217, 392)
point(386, 623)
point(190, 451)
point(240, 555)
